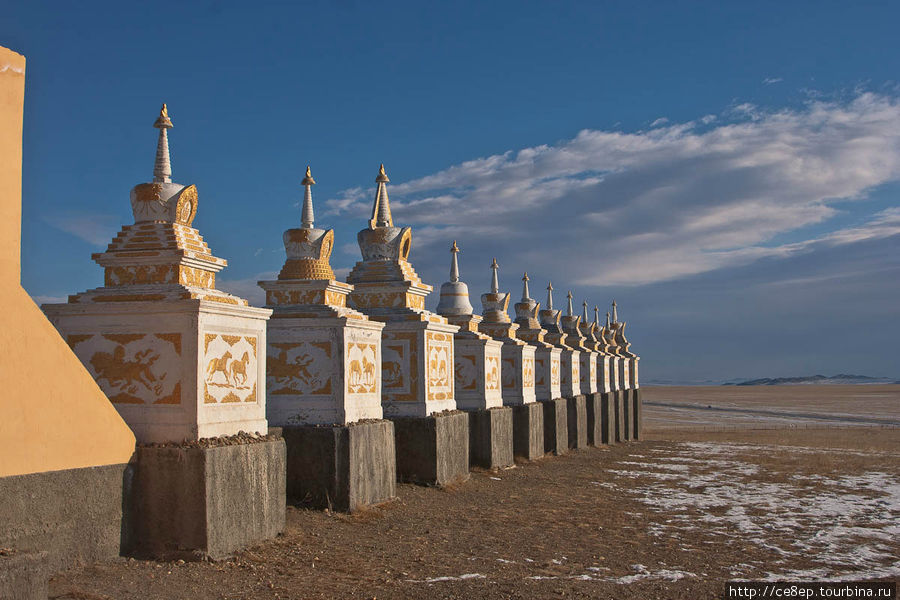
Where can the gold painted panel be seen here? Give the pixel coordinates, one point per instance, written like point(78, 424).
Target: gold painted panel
point(230, 368)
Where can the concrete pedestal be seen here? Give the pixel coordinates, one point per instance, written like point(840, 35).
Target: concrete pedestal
point(24, 576)
point(192, 502)
point(341, 467)
point(528, 431)
point(627, 410)
point(75, 515)
point(594, 411)
point(576, 409)
point(619, 413)
point(637, 413)
point(433, 450)
point(491, 437)
point(556, 426)
point(607, 418)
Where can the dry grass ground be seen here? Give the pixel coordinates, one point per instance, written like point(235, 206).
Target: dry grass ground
point(671, 517)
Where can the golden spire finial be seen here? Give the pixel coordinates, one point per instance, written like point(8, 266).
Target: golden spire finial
point(525, 277)
point(454, 248)
point(163, 121)
point(308, 180)
point(382, 176)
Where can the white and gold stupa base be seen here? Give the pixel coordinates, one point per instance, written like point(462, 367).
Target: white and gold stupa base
point(517, 372)
point(624, 375)
point(417, 368)
point(175, 370)
point(634, 381)
point(324, 359)
point(547, 373)
point(477, 366)
point(604, 367)
point(588, 372)
point(547, 361)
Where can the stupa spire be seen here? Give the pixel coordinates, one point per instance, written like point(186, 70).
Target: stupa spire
point(495, 283)
point(597, 316)
point(162, 168)
point(454, 263)
point(570, 311)
point(584, 317)
point(615, 316)
point(608, 324)
point(307, 217)
point(525, 295)
point(381, 210)
point(549, 295)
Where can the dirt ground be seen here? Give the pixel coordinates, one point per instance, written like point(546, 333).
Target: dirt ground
point(674, 516)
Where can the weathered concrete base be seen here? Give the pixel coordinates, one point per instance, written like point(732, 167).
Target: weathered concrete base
point(194, 503)
point(556, 426)
point(576, 418)
point(619, 411)
point(608, 418)
point(528, 430)
point(627, 407)
point(637, 414)
point(75, 515)
point(24, 576)
point(594, 419)
point(491, 437)
point(433, 450)
point(341, 467)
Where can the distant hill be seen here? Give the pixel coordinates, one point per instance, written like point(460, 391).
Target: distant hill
point(842, 379)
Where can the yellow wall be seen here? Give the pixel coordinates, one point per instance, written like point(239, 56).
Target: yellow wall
point(52, 414)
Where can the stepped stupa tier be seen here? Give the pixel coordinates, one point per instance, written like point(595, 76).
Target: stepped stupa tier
point(417, 345)
point(160, 256)
point(477, 357)
point(324, 358)
point(604, 360)
point(629, 359)
point(177, 357)
point(607, 336)
point(587, 368)
point(570, 357)
point(546, 356)
point(517, 373)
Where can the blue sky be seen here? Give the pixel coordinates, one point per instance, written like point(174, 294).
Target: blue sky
point(728, 172)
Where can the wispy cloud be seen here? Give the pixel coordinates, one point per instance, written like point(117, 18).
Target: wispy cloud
point(677, 200)
point(50, 299)
point(95, 229)
point(771, 80)
point(247, 288)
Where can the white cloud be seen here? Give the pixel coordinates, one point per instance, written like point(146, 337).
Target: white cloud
point(95, 229)
point(247, 288)
point(771, 80)
point(50, 299)
point(659, 121)
point(615, 208)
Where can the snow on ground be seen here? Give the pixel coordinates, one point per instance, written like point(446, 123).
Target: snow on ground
point(847, 523)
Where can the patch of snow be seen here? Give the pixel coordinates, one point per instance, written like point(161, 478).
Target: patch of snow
point(850, 527)
point(448, 578)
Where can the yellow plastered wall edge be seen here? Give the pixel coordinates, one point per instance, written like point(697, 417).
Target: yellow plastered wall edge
point(53, 416)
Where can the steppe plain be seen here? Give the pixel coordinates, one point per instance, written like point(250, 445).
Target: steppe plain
point(752, 483)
